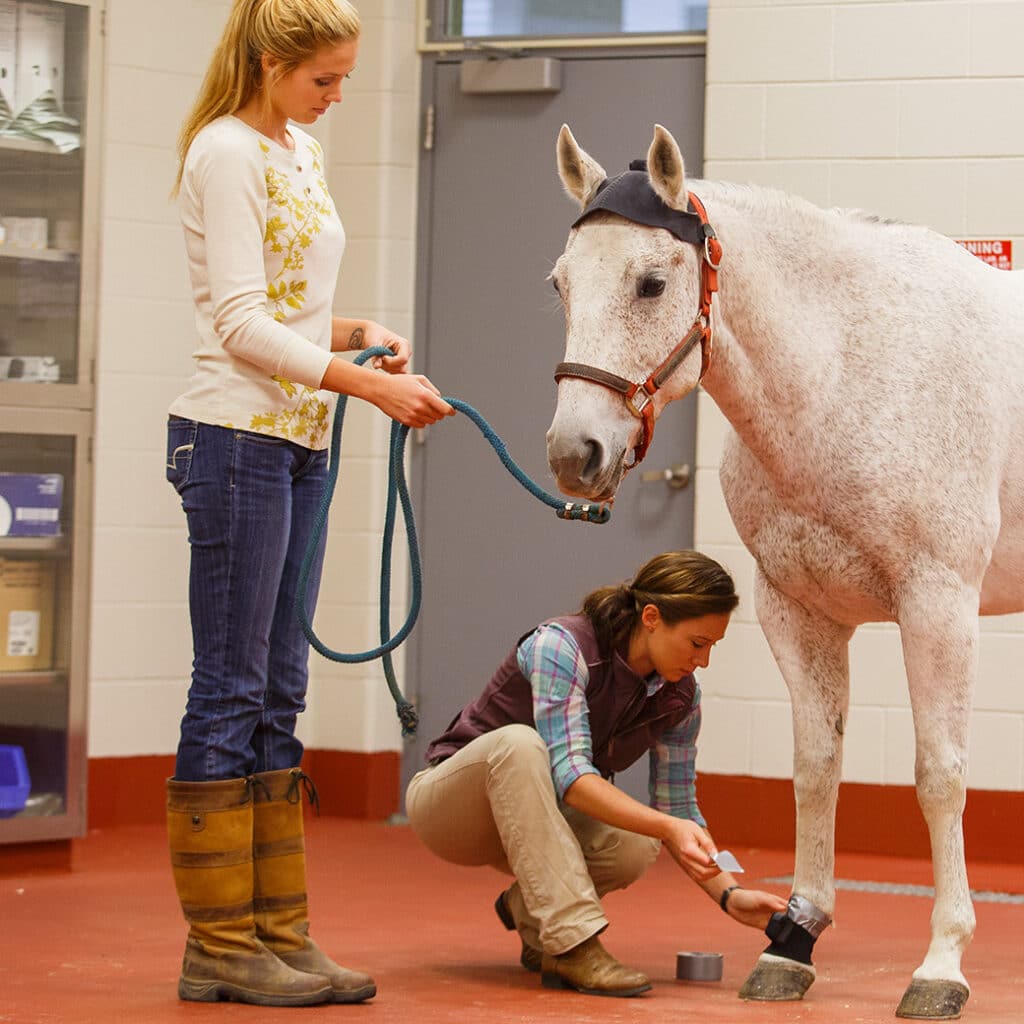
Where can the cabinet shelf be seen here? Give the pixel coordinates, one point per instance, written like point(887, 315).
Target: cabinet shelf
point(54, 547)
point(32, 146)
point(17, 252)
point(48, 677)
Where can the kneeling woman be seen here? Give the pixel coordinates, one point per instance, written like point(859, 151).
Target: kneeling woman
point(520, 779)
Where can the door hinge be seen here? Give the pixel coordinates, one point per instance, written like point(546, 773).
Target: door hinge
point(428, 127)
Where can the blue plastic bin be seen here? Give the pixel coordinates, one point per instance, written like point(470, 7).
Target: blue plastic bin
point(15, 783)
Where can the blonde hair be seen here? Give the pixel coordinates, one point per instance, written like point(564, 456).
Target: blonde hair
point(291, 31)
point(680, 584)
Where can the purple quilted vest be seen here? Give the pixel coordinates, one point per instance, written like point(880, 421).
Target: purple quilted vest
point(624, 721)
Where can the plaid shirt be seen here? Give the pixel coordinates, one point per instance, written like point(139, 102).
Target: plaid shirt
point(551, 660)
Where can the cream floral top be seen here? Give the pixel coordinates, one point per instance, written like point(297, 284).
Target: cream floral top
point(264, 243)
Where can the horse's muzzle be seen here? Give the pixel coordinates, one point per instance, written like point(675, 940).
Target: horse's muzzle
point(583, 470)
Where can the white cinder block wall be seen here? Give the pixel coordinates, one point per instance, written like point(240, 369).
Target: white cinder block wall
point(140, 651)
point(907, 109)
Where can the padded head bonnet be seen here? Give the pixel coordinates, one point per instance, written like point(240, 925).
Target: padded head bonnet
point(630, 195)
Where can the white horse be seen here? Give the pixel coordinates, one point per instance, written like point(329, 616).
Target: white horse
point(873, 376)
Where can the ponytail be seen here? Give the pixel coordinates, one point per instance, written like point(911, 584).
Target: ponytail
point(680, 584)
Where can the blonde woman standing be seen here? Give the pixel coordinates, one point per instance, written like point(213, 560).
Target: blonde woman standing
point(522, 777)
point(247, 453)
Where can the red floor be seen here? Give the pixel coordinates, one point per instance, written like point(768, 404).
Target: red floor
point(102, 944)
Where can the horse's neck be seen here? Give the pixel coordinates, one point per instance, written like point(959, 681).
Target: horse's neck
point(781, 310)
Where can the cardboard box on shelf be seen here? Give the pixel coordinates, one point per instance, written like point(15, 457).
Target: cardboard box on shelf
point(30, 504)
point(26, 615)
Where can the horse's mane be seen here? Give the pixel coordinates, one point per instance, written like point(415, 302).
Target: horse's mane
point(756, 198)
point(867, 217)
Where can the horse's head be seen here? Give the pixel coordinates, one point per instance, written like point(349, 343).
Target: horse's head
point(630, 280)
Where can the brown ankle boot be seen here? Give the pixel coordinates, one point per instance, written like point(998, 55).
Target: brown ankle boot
point(529, 957)
point(282, 914)
point(591, 969)
point(209, 827)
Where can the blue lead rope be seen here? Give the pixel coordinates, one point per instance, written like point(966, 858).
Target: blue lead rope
point(398, 490)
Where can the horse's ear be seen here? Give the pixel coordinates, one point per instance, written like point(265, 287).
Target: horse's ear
point(665, 166)
point(581, 174)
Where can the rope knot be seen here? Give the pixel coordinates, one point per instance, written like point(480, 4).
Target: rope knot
point(409, 718)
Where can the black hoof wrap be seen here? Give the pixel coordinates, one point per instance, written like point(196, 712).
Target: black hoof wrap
point(789, 939)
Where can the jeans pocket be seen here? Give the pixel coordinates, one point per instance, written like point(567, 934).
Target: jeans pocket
point(256, 441)
point(181, 443)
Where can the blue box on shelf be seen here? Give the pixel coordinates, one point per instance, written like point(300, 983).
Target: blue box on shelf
point(30, 504)
point(15, 783)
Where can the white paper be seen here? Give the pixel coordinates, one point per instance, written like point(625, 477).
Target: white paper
point(23, 634)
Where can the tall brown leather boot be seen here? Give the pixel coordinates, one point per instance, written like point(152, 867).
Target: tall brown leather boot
point(209, 827)
point(282, 913)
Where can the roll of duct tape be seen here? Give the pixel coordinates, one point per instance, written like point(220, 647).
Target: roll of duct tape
point(698, 966)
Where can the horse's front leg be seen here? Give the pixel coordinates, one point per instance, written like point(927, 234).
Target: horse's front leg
point(812, 653)
point(939, 629)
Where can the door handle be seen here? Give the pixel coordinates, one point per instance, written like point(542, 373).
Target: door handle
point(676, 477)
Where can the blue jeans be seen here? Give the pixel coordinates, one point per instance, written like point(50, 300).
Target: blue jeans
point(250, 501)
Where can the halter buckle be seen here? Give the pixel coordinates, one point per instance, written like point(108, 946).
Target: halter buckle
point(635, 407)
point(708, 259)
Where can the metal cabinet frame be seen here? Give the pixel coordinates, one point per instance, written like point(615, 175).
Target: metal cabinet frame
point(66, 410)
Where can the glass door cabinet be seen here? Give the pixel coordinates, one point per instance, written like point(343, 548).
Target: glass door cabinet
point(50, 69)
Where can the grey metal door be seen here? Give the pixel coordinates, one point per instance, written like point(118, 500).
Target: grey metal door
point(489, 331)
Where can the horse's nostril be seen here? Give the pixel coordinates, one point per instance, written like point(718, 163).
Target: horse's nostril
point(594, 460)
point(575, 462)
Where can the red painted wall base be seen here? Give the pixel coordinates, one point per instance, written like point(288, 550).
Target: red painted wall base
point(746, 811)
point(130, 791)
point(743, 811)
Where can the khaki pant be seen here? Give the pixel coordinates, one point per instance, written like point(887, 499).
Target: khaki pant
point(494, 803)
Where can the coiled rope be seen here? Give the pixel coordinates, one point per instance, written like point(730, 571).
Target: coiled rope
point(398, 491)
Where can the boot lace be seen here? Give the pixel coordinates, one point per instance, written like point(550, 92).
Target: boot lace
point(299, 781)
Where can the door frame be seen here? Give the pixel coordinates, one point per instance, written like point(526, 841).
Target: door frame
point(432, 12)
point(424, 287)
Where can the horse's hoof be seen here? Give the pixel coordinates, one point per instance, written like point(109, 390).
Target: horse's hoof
point(933, 1000)
point(776, 979)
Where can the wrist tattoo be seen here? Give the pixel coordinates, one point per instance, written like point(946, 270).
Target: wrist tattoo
point(355, 341)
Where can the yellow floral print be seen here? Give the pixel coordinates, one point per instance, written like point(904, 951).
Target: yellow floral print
point(293, 222)
point(309, 418)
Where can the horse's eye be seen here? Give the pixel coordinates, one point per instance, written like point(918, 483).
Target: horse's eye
point(650, 287)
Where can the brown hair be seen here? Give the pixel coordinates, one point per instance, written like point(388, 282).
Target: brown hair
point(680, 584)
point(289, 30)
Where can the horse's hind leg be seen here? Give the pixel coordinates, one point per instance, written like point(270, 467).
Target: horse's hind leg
point(939, 627)
point(812, 653)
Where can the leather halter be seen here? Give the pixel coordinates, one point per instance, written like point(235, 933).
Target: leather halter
point(640, 396)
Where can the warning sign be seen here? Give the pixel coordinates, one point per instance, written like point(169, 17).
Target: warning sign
point(998, 254)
